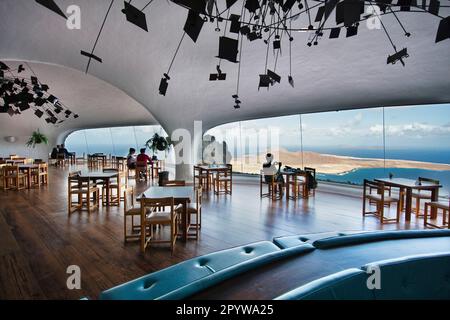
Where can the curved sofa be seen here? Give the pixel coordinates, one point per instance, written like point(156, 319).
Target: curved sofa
point(350, 238)
point(188, 277)
point(192, 276)
point(413, 277)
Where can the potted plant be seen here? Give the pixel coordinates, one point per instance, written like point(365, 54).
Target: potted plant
point(158, 143)
point(37, 138)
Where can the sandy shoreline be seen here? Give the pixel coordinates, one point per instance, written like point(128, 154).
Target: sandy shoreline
point(332, 164)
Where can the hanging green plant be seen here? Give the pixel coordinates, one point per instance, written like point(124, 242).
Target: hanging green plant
point(36, 138)
point(158, 143)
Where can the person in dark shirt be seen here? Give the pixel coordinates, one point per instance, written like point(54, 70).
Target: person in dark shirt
point(64, 151)
point(54, 153)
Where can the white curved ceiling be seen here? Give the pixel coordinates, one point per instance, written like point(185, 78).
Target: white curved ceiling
point(97, 103)
point(336, 74)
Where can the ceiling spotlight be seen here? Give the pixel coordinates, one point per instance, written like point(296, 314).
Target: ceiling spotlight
point(291, 81)
point(398, 56)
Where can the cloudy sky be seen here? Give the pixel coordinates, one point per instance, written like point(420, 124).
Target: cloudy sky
point(406, 127)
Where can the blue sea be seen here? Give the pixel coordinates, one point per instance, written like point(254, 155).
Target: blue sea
point(358, 176)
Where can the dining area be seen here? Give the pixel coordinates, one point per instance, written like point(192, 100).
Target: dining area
point(419, 197)
point(21, 173)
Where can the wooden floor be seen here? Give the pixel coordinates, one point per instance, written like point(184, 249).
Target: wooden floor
point(38, 241)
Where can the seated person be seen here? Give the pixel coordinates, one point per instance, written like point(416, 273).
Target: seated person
point(54, 153)
point(142, 157)
point(131, 159)
point(63, 150)
point(271, 173)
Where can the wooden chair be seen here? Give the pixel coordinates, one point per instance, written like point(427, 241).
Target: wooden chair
point(299, 185)
point(274, 188)
point(445, 207)
point(201, 177)
point(61, 160)
point(130, 210)
point(195, 211)
point(312, 171)
point(87, 193)
point(152, 216)
point(81, 160)
point(2, 177)
point(142, 171)
point(157, 168)
point(115, 187)
point(422, 194)
point(14, 178)
point(380, 199)
point(39, 175)
point(223, 181)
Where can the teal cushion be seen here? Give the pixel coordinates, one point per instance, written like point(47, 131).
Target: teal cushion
point(349, 284)
point(415, 277)
point(359, 238)
point(188, 277)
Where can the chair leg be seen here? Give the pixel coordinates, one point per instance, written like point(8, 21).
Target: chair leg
point(417, 207)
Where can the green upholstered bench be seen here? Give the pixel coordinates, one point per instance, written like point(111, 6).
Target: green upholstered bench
point(191, 276)
point(359, 238)
point(413, 277)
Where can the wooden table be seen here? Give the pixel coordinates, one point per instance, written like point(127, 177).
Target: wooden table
point(408, 185)
point(99, 156)
point(27, 168)
point(290, 174)
point(181, 195)
point(103, 176)
point(210, 169)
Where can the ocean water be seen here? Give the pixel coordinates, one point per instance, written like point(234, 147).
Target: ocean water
point(358, 176)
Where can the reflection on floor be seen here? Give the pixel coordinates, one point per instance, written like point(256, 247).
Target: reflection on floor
point(38, 241)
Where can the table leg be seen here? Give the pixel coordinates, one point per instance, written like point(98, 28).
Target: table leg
point(29, 178)
point(107, 192)
point(434, 197)
point(207, 180)
point(408, 200)
point(184, 221)
point(287, 186)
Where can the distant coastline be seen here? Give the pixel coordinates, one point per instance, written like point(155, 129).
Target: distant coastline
point(333, 164)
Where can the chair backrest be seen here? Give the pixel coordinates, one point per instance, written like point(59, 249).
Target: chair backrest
point(174, 183)
point(379, 186)
point(198, 196)
point(43, 167)
point(141, 164)
point(311, 170)
point(11, 169)
point(128, 196)
point(432, 181)
point(154, 204)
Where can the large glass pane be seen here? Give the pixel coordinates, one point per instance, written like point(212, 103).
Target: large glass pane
point(76, 142)
point(339, 144)
point(419, 133)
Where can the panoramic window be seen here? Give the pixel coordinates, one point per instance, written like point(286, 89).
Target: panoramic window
point(114, 141)
point(347, 146)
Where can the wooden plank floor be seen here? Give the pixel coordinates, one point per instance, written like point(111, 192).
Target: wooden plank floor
point(38, 241)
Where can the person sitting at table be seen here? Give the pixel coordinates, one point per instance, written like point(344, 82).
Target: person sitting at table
point(143, 157)
point(131, 159)
point(270, 170)
point(63, 150)
point(54, 153)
